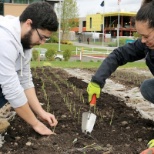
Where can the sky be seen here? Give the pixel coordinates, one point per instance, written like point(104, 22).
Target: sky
point(87, 7)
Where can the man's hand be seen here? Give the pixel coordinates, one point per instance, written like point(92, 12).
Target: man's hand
point(50, 118)
point(148, 151)
point(40, 128)
point(93, 88)
point(26, 114)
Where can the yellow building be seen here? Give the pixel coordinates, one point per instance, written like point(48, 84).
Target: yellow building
point(110, 20)
point(93, 22)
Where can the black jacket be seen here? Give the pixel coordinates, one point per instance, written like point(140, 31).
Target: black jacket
point(128, 53)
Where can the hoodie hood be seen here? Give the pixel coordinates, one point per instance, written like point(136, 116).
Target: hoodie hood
point(12, 25)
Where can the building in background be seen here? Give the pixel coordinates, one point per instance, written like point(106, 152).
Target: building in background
point(94, 26)
point(95, 29)
point(15, 7)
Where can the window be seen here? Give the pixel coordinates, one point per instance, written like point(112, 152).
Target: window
point(31, 1)
point(7, 1)
point(84, 23)
point(21, 1)
point(90, 22)
point(1, 9)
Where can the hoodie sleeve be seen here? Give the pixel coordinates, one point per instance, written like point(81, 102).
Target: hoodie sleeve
point(120, 56)
point(24, 74)
point(9, 81)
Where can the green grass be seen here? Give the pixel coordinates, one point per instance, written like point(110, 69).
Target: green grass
point(63, 47)
point(55, 46)
point(136, 64)
point(75, 64)
point(65, 64)
point(78, 64)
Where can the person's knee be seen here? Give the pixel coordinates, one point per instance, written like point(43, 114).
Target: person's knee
point(147, 89)
point(143, 87)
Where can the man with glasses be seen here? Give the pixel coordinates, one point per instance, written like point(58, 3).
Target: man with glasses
point(42, 37)
point(140, 49)
point(17, 36)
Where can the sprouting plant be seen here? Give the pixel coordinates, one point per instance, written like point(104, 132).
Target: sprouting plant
point(70, 107)
point(87, 146)
point(112, 117)
point(83, 99)
point(101, 119)
point(42, 70)
point(48, 106)
point(75, 114)
point(79, 115)
point(43, 85)
point(74, 110)
point(96, 111)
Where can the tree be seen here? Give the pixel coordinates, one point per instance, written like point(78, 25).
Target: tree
point(69, 16)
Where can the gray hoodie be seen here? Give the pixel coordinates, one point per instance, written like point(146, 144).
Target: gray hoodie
point(15, 75)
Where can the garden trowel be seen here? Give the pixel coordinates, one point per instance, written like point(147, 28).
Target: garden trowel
point(89, 118)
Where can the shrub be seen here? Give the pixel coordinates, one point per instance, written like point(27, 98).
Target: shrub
point(136, 35)
point(50, 54)
point(69, 43)
point(54, 39)
point(67, 54)
point(35, 55)
point(66, 42)
point(63, 42)
point(112, 44)
point(122, 41)
point(78, 60)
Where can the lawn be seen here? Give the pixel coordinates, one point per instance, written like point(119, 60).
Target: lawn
point(73, 48)
point(80, 64)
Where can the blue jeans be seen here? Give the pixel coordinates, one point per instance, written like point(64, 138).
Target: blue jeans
point(147, 90)
point(3, 101)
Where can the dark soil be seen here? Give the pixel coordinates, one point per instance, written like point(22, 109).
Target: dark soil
point(119, 129)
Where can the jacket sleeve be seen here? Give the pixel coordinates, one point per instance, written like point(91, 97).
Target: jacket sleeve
point(120, 56)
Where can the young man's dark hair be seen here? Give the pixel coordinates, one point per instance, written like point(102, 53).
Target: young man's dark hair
point(42, 15)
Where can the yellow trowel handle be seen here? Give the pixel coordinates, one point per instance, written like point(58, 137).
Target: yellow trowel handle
point(93, 100)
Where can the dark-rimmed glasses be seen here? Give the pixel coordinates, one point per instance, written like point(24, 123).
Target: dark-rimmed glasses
point(42, 37)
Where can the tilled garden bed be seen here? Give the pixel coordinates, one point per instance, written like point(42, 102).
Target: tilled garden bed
point(119, 129)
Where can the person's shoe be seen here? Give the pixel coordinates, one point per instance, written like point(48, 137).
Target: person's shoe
point(4, 124)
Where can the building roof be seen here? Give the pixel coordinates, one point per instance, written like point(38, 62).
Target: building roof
point(76, 29)
point(122, 13)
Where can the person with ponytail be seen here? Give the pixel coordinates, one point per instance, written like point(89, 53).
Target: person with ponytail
point(140, 49)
